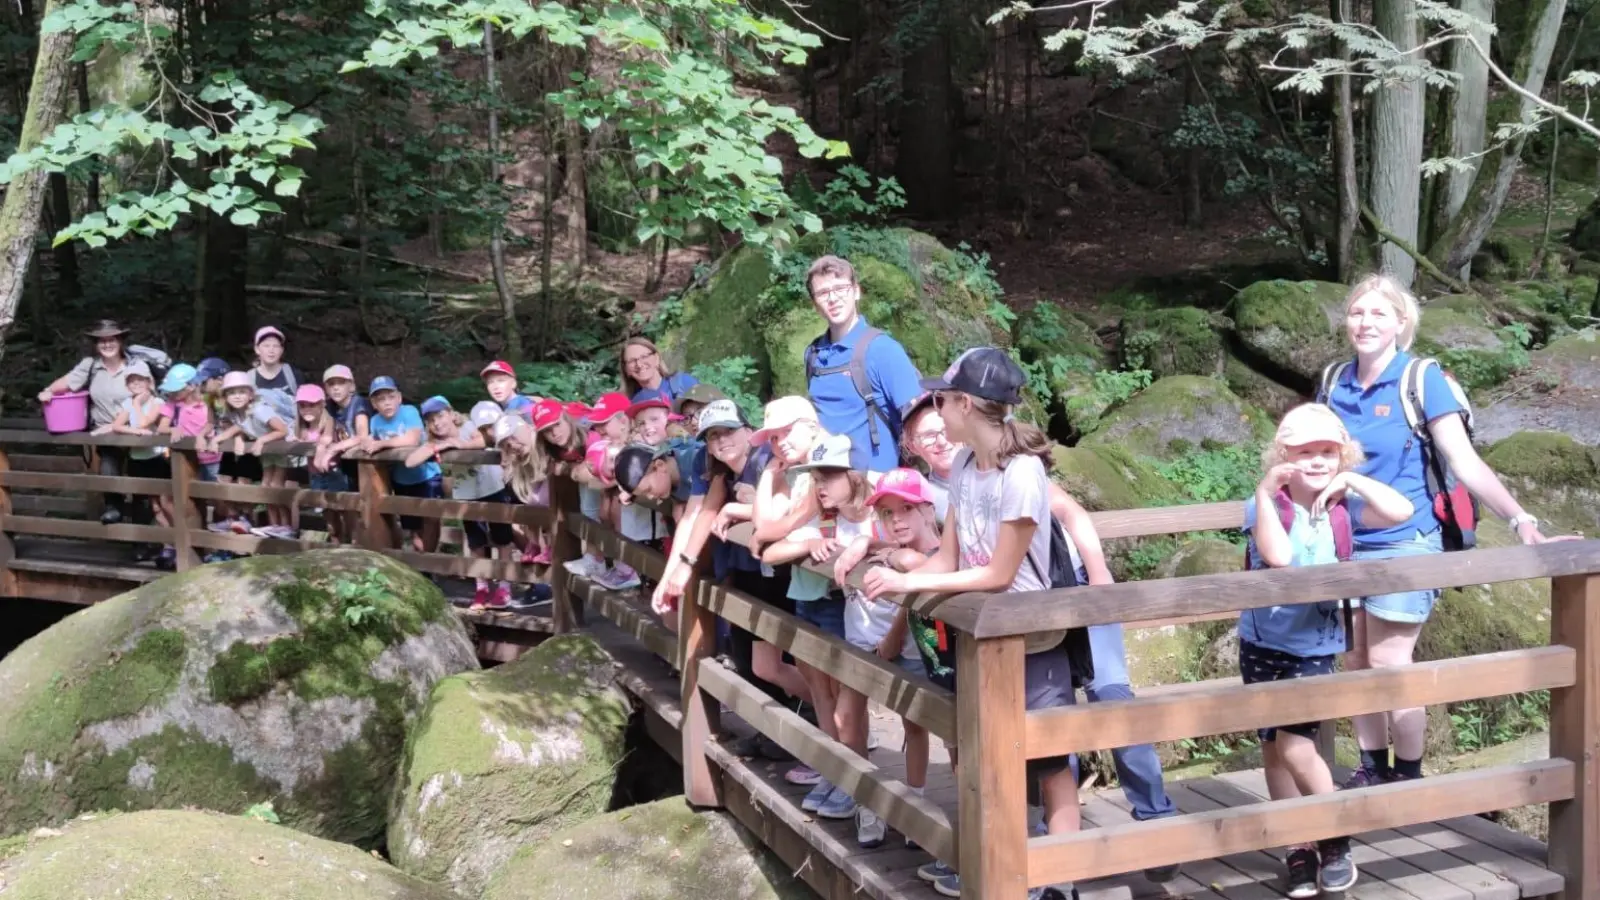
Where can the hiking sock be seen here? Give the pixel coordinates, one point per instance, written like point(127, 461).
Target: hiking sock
point(1377, 762)
point(1407, 768)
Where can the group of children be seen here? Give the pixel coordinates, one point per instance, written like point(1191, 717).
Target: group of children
point(979, 518)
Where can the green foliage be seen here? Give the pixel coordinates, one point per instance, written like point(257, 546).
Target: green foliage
point(1217, 474)
point(672, 97)
point(583, 380)
point(852, 198)
point(361, 600)
point(262, 812)
point(1145, 558)
point(738, 378)
point(1479, 369)
point(1484, 723)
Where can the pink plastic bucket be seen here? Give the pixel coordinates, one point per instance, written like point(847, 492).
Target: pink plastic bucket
point(65, 413)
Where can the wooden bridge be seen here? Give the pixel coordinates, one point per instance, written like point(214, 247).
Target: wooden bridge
point(1416, 840)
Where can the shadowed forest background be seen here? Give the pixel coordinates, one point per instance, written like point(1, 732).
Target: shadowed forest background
point(1154, 204)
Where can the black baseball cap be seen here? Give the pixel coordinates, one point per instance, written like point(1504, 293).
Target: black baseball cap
point(986, 372)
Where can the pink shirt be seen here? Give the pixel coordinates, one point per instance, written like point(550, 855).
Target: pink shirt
point(193, 420)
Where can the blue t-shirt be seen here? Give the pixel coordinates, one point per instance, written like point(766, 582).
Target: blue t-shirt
point(729, 556)
point(521, 405)
point(675, 384)
point(345, 419)
point(690, 456)
point(895, 383)
point(1375, 418)
point(1301, 629)
point(406, 419)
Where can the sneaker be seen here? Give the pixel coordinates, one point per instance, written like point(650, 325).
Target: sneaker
point(1361, 778)
point(873, 741)
point(934, 871)
point(1338, 865)
point(217, 556)
point(111, 516)
point(480, 597)
point(621, 578)
point(870, 830)
point(585, 567)
point(950, 885)
point(1302, 879)
point(1052, 893)
point(240, 525)
point(499, 601)
point(803, 774)
point(1162, 874)
point(529, 553)
point(839, 805)
point(542, 558)
point(221, 526)
point(537, 593)
point(745, 747)
point(817, 795)
point(773, 751)
point(167, 560)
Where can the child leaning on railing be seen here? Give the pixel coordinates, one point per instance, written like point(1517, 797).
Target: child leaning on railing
point(1307, 522)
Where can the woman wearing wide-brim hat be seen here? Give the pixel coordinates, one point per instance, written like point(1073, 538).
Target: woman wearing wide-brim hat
point(104, 372)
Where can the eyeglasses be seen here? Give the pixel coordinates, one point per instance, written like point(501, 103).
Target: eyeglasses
point(838, 290)
point(931, 439)
point(633, 362)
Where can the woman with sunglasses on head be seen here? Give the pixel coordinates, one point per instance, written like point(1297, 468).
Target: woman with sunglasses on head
point(643, 369)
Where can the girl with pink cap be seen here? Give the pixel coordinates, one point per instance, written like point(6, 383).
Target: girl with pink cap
point(351, 417)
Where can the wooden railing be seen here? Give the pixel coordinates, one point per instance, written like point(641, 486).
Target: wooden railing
point(993, 733)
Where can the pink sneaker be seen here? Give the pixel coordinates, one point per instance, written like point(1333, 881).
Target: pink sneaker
point(542, 558)
point(502, 597)
point(480, 597)
point(802, 774)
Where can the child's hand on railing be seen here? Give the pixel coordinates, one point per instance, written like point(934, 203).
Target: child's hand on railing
point(721, 524)
point(103, 429)
point(822, 549)
point(848, 560)
point(257, 446)
point(880, 581)
point(238, 446)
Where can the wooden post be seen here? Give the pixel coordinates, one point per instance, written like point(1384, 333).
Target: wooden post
point(374, 484)
point(697, 642)
point(185, 516)
point(564, 546)
point(991, 785)
point(10, 585)
point(1575, 736)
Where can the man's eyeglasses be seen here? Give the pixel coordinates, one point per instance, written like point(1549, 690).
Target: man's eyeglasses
point(838, 290)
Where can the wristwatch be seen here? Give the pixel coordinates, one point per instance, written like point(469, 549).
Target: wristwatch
point(1516, 522)
point(685, 559)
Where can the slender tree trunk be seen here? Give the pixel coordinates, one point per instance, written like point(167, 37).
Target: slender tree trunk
point(1192, 165)
point(1555, 136)
point(1344, 154)
point(1397, 120)
point(197, 285)
point(1498, 169)
point(81, 79)
point(576, 192)
point(24, 199)
point(497, 239)
point(926, 162)
point(1468, 112)
point(66, 252)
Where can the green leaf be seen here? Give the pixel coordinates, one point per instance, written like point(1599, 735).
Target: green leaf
point(244, 216)
point(288, 187)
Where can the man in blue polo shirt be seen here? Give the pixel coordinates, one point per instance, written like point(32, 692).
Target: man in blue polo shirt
point(857, 377)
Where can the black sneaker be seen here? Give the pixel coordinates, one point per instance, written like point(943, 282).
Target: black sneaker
point(772, 750)
point(745, 747)
point(1362, 777)
point(1338, 866)
point(1162, 874)
point(111, 516)
point(1302, 880)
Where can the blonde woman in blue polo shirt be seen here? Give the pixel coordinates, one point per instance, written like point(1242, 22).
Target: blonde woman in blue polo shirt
point(1381, 320)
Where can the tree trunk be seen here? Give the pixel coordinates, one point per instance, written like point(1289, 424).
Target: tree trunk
point(24, 200)
point(576, 192)
point(1493, 183)
point(1397, 119)
point(197, 284)
point(925, 164)
point(497, 240)
point(1344, 155)
point(66, 252)
point(80, 77)
point(1467, 123)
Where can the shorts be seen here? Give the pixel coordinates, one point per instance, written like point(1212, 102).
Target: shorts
point(827, 614)
point(1047, 684)
point(432, 489)
point(208, 471)
point(352, 471)
point(1258, 664)
point(589, 501)
point(1406, 607)
point(276, 461)
point(240, 467)
point(333, 481)
point(498, 534)
point(909, 663)
point(154, 467)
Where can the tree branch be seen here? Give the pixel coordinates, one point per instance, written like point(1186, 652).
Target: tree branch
point(1423, 262)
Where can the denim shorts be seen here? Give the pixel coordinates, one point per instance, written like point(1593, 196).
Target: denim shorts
point(1406, 607)
point(208, 471)
point(589, 501)
point(827, 614)
point(911, 664)
point(333, 481)
point(1258, 664)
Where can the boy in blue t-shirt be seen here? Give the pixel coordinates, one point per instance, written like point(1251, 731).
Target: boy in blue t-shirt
point(395, 425)
point(1309, 473)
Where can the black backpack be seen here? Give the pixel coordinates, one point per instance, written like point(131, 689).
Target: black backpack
point(857, 369)
point(1063, 574)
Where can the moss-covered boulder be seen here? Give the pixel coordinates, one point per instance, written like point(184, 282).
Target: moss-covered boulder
point(1462, 332)
point(1533, 821)
point(1295, 327)
point(1178, 415)
point(1202, 556)
point(659, 851)
point(912, 287)
point(503, 758)
point(283, 678)
point(1560, 391)
point(1487, 618)
point(1107, 477)
point(1586, 232)
point(1067, 348)
point(191, 855)
point(1177, 341)
point(1258, 390)
point(1553, 476)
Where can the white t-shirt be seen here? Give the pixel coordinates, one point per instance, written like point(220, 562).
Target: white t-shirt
point(940, 489)
point(640, 523)
point(474, 482)
point(981, 500)
point(256, 420)
point(865, 621)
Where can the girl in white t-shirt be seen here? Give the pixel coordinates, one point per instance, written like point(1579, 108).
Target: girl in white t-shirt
point(997, 539)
